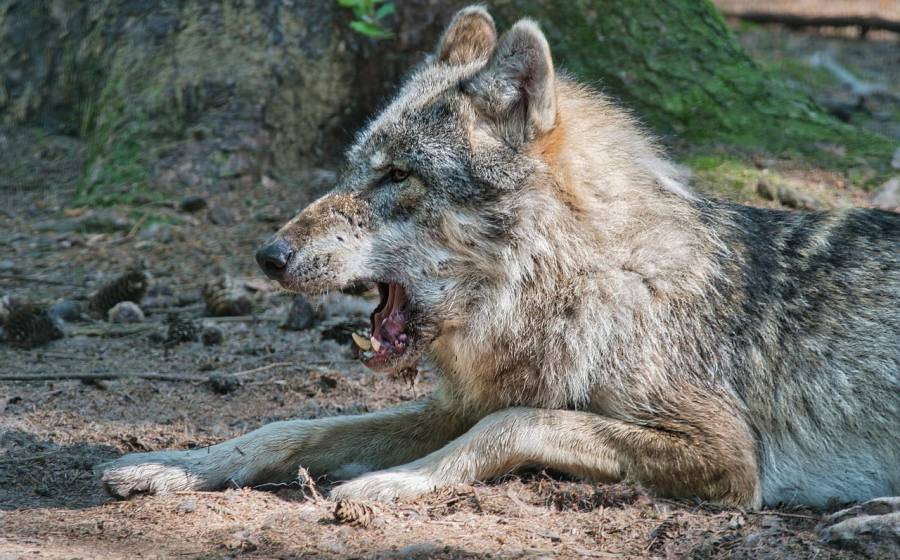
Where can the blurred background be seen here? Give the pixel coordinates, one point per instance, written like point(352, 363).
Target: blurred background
point(148, 146)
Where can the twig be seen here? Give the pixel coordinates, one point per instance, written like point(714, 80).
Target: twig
point(262, 368)
point(785, 514)
point(22, 278)
point(110, 330)
point(133, 232)
point(794, 20)
point(242, 318)
point(176, 308)
point(98, 376)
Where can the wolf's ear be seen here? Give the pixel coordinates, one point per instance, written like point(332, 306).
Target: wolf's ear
point(517, 88)
point(469, 37)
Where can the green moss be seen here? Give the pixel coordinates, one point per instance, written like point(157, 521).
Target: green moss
point(725, 177)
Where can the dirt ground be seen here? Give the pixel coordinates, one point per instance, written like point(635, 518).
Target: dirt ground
point(52, 433)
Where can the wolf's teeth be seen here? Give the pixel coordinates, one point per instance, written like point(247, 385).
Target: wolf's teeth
point(376, 345)
point(360, 341)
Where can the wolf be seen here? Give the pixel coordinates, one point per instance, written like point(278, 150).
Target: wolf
point(584, 309)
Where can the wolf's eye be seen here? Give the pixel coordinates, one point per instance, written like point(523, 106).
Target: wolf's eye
point(397, 175)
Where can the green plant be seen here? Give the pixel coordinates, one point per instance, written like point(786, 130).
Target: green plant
point(370, 15)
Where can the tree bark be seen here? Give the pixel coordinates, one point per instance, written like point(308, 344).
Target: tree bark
point(173, 94)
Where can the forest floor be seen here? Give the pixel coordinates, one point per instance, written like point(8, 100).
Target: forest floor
point(52, 433)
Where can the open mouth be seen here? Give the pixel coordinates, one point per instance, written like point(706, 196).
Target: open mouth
point(389, 339)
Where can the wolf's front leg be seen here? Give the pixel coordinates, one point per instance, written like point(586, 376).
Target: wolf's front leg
point(343, 446)
point(696, 463)
point(499, 443)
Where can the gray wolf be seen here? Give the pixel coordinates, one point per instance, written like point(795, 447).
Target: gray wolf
point(585, 310)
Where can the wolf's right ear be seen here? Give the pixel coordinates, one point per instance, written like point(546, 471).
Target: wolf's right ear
point(517, 88)
point(469, 37)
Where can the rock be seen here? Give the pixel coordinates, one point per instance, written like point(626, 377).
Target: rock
point(895, 161)
point(222, 384)
point(66, 310)
point(301, 316)
point(192, 204)
point(159, 232)
point(872, 527)
point(125, 312)
point(220, 216)
point(212, 335)
point(7, 265)
point(186, 506)
point(887, 197)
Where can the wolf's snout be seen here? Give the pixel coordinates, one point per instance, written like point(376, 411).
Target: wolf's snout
point(273, 257)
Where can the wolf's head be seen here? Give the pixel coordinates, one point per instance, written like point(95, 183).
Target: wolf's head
point(423, 205)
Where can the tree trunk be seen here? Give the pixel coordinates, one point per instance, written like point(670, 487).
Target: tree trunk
point(172, 95)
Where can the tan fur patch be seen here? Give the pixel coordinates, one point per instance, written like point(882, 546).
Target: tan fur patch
point(551, 149)
point(319, 217)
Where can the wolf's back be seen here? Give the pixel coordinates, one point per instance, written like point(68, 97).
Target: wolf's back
point(814, 335)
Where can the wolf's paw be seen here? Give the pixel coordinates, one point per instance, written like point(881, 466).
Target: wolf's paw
point(385, 486)
point(872, 527)
point(150, 473)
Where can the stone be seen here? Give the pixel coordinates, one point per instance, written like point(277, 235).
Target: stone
point(220, 216)
point(7, 265)
point(186, 506)
point(66, 310)
point(887, 197)
point(192, 204)
point(871, 527)
point(125, 312)
point(301, 316)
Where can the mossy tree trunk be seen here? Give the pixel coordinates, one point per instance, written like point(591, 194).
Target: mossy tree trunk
point(173, 95)
point(685, 74)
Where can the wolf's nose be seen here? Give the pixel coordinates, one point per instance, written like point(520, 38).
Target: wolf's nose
point(273, 257)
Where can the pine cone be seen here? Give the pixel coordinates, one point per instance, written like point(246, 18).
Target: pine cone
point(131, 286)
point(355, 514)
point(29, 326)
point(226, 297)
point(179, 330)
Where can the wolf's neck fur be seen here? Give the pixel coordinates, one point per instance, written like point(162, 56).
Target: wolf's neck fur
point(608, 240)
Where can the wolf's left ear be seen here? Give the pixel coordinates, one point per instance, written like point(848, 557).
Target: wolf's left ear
point(517, 89)
point(469, 37)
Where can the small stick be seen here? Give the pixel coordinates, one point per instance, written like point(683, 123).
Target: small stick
point(241, 318)
point(785, 514)
point(262, 368)
point(110, 330)
point(22, 278)
point(98, 376)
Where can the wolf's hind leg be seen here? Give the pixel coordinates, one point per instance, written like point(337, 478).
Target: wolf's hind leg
point(580, 443)
point(340, 446)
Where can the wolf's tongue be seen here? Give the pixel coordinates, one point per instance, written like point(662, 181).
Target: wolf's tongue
point(389, 322)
